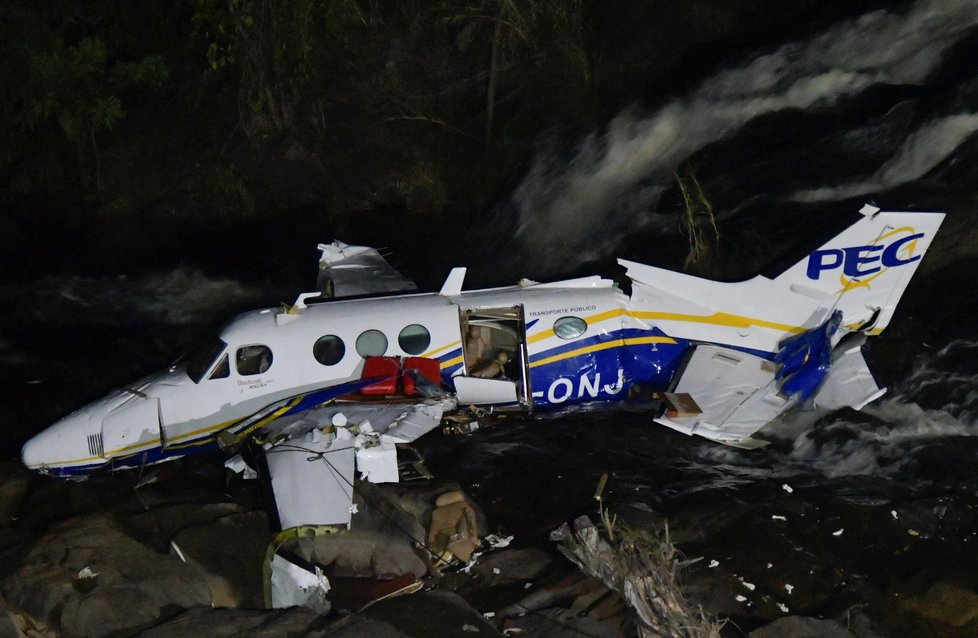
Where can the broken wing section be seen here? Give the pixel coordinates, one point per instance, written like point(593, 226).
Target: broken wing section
point(349, 271)
point(312, 461)
point(724, 395)
point(727, 395)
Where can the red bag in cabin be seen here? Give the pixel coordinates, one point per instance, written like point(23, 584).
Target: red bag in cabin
point(387, 371)
point(430, 369)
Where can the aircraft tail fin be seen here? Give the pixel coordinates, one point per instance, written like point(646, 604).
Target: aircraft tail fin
point(862, 272)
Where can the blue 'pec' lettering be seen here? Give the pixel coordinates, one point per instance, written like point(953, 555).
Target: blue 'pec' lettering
point(859, 255)
point(817, 261)
point(859, 261)
point(891, 255)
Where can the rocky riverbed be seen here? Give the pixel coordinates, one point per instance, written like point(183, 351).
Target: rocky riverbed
point(771, 552)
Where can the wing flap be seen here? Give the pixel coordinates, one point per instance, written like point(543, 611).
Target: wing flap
point(735, 392)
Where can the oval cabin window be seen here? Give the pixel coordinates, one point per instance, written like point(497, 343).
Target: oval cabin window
point(569, 327)
point(414, 339)
point(371, 343)
point(329, 350)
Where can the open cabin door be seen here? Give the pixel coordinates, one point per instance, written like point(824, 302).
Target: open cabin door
point(495, 369)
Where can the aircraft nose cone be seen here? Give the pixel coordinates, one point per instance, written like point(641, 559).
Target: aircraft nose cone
point(64, 447)
point(37, 452)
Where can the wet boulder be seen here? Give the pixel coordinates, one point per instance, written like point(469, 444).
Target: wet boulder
point(947, 602)
point(86, 576)
point(801, 627)
point(229, 551)
point(205, 622)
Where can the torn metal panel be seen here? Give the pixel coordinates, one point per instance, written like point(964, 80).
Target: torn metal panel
point(312, 476)
point(377, 459)
point(292, 586)
point(735, 392)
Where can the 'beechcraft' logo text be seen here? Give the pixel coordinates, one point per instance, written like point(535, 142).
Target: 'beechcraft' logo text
point(862, 264)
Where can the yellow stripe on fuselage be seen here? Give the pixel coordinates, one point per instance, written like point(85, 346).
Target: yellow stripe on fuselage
point(718, 319)
point(432, 353)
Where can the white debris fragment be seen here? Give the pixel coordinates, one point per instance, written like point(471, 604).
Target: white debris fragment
point(237, 465)
point(783, 608)
point(471, 628)
point(770, 565)
point(839, 531)
point(498, 542)
point(740, 599)
point(787, 488)
point(527, 585)
point(788, 588)
point(913, 532)
point(893, 513)
point(778, 517)
point(750, 586)
point(489, 614)
point(354, 509)
point(714, 563)
point(176, 550)
point(86, 573)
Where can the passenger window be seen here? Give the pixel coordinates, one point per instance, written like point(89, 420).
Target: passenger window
point(253, 360)
point(371, 343)
point(223, 369)
point(414, 339)
point(329, 350)
point(569, 327)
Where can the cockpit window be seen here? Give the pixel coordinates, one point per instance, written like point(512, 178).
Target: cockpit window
point(222, 370)
point(202, 358)
point(253, 359)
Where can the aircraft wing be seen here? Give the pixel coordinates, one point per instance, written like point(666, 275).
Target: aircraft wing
point(312, 459)
point(726, 395)
point(349, 271)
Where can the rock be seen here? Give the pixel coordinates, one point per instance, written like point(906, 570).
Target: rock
point(574, 605)
point(801, 627)
point(157, 526)
point(14, 481)
point(231, 551)
point(509, 565)
point(14, 623)
point(365, 554)
point(947, 602)
point(431, 613)
point(206, 623)
point(88, 577)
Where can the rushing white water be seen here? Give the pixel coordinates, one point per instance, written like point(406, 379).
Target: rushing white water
point(179, 297)
point(920, 152)
point(597, 196)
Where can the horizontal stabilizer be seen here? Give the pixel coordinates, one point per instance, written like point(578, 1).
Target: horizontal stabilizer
point(736, 394)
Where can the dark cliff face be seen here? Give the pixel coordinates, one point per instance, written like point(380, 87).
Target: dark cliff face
point(189, 133)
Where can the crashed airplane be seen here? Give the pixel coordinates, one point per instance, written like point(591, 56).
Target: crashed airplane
point(344, 381)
